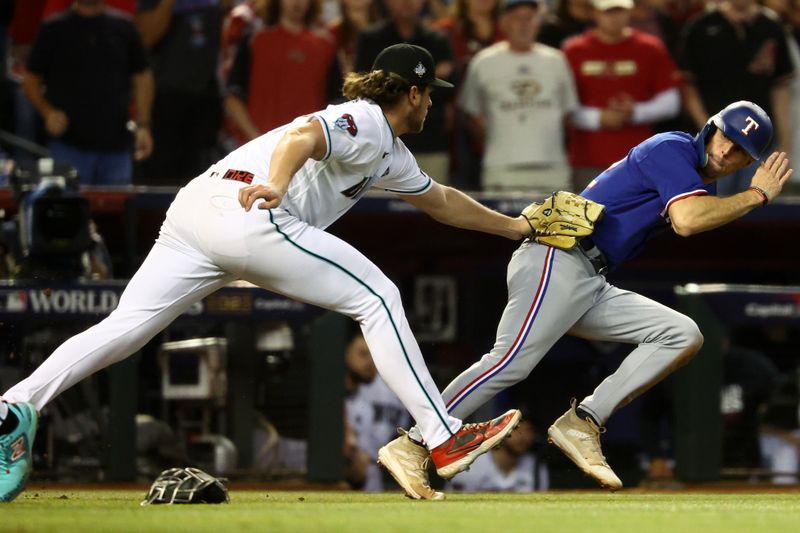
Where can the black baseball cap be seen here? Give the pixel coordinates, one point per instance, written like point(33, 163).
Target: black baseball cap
point(411, 62)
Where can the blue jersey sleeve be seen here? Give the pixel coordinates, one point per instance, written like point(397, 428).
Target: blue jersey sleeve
point(670, 167)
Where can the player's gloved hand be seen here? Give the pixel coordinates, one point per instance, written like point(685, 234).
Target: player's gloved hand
point(252, 193)
point(562, 219)
point(771, 176)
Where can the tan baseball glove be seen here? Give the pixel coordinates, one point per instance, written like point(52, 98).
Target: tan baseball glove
point(562, 219)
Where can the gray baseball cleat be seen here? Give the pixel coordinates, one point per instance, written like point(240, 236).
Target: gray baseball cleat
point(407, 462)
point(580, 441)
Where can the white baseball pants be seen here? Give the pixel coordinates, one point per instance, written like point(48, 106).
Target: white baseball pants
point(207, 241)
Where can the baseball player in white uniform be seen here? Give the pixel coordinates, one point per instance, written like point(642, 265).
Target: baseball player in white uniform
point(301, 177)
point(374, 413)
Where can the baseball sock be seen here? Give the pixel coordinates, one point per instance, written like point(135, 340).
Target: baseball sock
point(8, 423)
point(583, 415)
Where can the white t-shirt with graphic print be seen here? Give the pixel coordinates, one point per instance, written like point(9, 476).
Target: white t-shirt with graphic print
point(525, 97)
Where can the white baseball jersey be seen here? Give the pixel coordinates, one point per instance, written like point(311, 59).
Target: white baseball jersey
point(375, 413)
point(208, 241)
point(524, 98)
point(362, 153)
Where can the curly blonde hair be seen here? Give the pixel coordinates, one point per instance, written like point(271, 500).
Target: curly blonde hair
point(385, 89)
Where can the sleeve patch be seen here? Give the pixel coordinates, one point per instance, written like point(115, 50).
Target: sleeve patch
point(347, 123)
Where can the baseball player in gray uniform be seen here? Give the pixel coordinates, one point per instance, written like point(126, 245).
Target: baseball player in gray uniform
point(667, 181)
point(300, 178)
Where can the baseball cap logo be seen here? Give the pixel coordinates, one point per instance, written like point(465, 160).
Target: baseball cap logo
point(412, 63)
point(751, 125)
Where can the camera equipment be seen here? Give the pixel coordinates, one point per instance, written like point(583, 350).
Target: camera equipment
point(53, 221)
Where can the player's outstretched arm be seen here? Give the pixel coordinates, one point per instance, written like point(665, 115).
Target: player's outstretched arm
point(295, 148)
point(696, 214)
point(454, 208)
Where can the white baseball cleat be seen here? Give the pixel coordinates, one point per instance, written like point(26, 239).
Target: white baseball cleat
point(407, 462)
point(580, 441)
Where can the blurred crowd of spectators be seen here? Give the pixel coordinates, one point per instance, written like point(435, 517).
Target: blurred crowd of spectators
point(549, 92)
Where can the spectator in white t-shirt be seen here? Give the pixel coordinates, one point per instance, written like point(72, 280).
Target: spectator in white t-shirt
point(517, 94)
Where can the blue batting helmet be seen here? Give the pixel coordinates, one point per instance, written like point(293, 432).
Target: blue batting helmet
point(744, 123)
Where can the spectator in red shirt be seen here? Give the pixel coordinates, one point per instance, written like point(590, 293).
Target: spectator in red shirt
point(626, 80)
point(284, 71)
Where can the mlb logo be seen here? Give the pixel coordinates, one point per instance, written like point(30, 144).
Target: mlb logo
point(16, 301)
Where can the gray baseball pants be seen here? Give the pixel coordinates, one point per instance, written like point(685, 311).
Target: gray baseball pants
point(553, 292)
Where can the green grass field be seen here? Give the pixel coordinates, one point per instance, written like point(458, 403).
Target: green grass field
point(62, 511)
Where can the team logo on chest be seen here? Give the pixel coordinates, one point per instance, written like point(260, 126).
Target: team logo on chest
point(347, 123)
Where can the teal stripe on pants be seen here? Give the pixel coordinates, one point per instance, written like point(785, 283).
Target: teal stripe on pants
point(383, 304)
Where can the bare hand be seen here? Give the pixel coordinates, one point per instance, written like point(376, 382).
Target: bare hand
point(618, 112)
point(144, 144)
point(772, 174)
point(56, 123)
point(250, 194)
point(611, 119)
point(624, 102)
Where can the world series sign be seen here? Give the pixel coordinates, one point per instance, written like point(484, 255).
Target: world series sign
point(93, 300)
point(59, 301)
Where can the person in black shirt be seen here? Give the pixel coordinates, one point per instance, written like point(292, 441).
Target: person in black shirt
point(83, 66)
point(403, 26)
point(569, 18)
point(183, 38)
point(749, 381)
point(737, 52)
